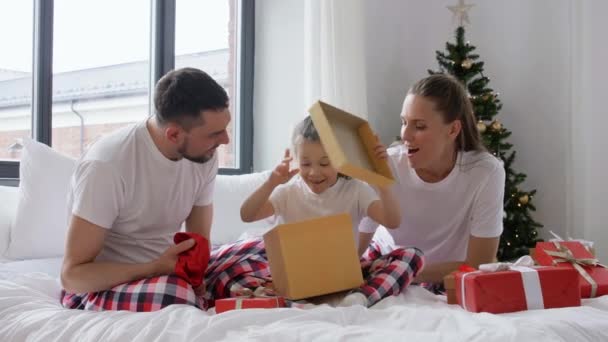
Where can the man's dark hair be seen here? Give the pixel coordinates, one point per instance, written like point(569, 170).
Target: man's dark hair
point(181, 95)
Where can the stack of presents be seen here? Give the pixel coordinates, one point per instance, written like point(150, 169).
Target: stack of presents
point(557, 274)
point(319, 257)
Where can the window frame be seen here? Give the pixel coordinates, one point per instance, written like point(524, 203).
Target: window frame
point(162, 60)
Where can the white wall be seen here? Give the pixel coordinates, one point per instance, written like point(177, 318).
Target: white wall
point(533, 56)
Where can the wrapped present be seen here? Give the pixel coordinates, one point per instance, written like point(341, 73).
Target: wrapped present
point(505, 287)
point(449, 283)
point(240, 303)
point(593, 276)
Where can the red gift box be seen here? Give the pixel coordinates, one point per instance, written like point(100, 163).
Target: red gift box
point(593, 277)
point(239, 303)
point(510, 291)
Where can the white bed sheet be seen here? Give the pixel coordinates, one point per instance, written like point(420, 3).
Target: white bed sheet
point(30, 310)
point(10, 269)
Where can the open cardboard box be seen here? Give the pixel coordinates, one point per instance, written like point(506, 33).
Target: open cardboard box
point(349, 142)
point(314, 257)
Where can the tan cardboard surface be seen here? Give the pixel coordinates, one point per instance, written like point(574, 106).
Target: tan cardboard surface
point(314, 257)
point(349, 142)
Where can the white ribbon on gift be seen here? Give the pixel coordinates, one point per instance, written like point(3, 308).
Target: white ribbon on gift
point(529, 276)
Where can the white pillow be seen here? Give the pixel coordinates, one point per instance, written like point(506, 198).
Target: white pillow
point(8, 198)
point(41, 223)
point(229, 194)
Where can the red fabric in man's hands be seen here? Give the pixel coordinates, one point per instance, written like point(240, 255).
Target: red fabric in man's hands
point(192, 264)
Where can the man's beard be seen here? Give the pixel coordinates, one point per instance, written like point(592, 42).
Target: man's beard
point(196, 159)
point(199, 160)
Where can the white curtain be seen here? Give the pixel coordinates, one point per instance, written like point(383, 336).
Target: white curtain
point(334, 54)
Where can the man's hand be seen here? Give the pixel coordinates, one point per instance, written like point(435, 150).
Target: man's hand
point(282, 174)
point(165, 264)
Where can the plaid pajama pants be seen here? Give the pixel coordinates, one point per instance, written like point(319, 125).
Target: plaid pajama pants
point(242, 269)
point(388, 274)
point(239, 266)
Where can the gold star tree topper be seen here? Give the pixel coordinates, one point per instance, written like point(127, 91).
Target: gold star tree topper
point(461, 12)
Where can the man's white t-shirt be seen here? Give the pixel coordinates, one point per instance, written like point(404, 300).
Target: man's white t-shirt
point(294, 201)
point(125, 184)
point(439, 218)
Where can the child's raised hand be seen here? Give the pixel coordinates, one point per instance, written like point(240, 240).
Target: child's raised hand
point(380, 149)
point(281, 173)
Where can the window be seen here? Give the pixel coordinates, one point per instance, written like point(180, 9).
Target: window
point(105, 56)
point(16, 31)
point(205, 39)
point(100, 69)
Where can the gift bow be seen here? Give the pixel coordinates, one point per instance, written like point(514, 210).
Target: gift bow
point(259, 292)
point(524, 261)
point(529, 276)
point(563, 254)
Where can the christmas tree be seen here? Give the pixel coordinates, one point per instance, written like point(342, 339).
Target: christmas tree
point(520, 229)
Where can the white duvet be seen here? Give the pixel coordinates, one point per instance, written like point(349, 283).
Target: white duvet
point(30, 310)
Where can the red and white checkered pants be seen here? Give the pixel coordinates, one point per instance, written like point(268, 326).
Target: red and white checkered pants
point(242, 268)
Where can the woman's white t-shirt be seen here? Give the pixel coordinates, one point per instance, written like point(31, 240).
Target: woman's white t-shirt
point(294, 201)
point(439, 218)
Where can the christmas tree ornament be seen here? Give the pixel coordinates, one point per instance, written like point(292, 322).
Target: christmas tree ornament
point(524, 199)
point(496, 125)
point(461, 12)
point(481, 126)
point(467, 63)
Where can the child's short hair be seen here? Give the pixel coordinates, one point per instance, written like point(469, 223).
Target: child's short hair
point(306, 131)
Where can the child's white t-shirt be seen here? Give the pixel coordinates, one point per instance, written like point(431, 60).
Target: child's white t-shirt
point(439, 218)
point(124, 184)
point(294, 201)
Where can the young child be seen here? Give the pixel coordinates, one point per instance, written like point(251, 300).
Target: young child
point(319, 190)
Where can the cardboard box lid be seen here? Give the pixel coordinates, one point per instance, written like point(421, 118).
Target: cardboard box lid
point(313, 257)
point(349, 142)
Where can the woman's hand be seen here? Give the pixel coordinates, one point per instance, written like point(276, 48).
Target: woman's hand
point(282, 173)
point(380, 150)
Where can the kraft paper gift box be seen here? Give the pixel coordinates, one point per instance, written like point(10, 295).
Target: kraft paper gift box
point(314, 257)
point(239, 303)
point(515, 288)
point(593, 277)
point(349, 142)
